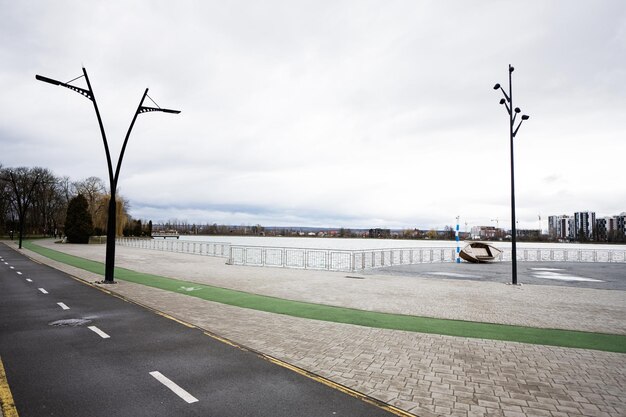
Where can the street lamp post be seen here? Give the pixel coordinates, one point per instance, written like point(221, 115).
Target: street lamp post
point(113, 176)
point(513, 112)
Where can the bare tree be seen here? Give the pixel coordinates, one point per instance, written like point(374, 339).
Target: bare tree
point(93, 189)
point(23, 182)
point(46, 202)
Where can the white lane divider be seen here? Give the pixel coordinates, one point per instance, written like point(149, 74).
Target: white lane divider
point(42, 290)
point(6, 263)
point(12, 267)
point(98, 332)
point(63, 306)
point(175, 388)
point(19, 273)
point(29, 280)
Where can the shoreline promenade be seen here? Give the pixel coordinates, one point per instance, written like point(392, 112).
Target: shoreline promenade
point(423, 374)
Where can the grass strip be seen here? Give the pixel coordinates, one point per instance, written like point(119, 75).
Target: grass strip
point(551, 337)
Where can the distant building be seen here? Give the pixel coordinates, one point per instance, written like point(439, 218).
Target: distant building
point(611, 228)
point(585, 226)
point(486, 232)
point(584, 223)
point(559, 227)
point(603, 227)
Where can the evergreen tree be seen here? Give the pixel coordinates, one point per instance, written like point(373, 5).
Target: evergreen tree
point(78, 224)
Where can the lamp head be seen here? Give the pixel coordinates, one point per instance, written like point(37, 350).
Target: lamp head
point(170, 111)
point(502, 101)
point(517, 110)
point(525, 117)
point(495, 87)
point(511, 69)
point(47, 80)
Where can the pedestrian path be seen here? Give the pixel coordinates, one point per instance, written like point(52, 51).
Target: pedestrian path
point(425, 374)
point(552, 337)
point(551, 307)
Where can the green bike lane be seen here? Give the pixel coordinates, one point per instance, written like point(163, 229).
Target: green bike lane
point(531, 335)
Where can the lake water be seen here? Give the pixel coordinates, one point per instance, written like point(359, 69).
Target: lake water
point(361, 244)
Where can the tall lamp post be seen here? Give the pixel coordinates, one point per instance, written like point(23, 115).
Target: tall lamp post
point(113, 175)
point(513, 112)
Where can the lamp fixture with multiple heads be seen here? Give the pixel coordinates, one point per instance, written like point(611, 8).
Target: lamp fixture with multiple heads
point(507, 101)
point(113, 176)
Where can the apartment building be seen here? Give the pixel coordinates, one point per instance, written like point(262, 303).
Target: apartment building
point(584, 225)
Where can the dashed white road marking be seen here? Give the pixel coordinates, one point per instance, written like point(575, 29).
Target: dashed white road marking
point(6, 263)
point(63, 306)
point(29, 280)
point(99, 332)
point(42, 290)
point(12, 267)
point(175, 388)
point(19, 273)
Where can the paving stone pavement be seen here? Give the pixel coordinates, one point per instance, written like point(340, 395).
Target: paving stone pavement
point(529, 305)
point(427, 375)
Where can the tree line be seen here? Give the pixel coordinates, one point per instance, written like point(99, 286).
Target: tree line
point(35, 201)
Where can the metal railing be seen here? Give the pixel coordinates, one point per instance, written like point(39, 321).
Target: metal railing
point(335, 259)
point(565, 255)
point(358, 260)
point(219, 249)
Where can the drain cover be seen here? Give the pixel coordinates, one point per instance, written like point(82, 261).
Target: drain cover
point(70, 322)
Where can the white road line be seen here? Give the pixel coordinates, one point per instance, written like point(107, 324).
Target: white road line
point(42, 290)
point(6, 263)
point(19, 273)
point(63, 306)
point(29, 280)
point(99, 332)
point(175, 388)
point(12, 267)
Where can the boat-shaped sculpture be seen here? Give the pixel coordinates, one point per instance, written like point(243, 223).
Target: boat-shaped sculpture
point(478, 252)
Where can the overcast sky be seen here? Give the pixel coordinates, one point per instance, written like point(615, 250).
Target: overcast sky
point(325, 113)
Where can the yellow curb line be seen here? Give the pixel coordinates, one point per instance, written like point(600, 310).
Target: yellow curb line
point(349, 391)
point(6, 399)
point(342, 388)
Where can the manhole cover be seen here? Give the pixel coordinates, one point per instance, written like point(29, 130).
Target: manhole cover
point(70, 322)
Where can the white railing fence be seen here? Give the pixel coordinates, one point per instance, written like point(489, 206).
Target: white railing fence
point(357, 260)
point(565, 255)
point(219, 249)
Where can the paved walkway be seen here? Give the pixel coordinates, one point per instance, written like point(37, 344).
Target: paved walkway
point(598, 275)
point(423, 374)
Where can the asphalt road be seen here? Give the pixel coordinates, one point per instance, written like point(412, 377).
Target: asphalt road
point(609, 276)
point(111, 357)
